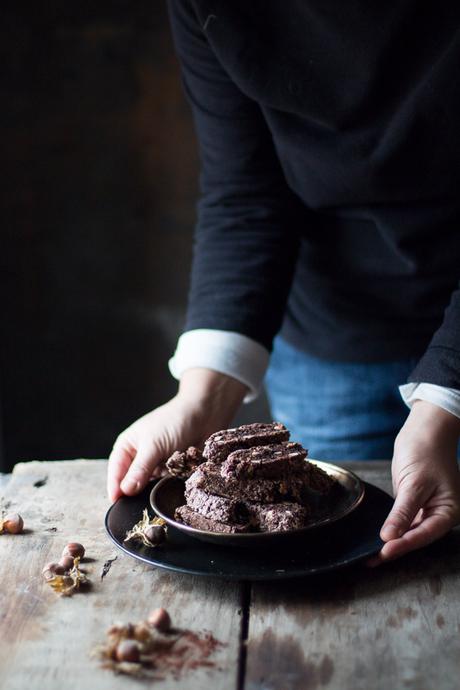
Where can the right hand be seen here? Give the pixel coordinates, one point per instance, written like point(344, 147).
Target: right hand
point(206, 402)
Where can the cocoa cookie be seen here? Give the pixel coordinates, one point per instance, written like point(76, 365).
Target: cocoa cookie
point(183, 463)
point(189, 517)
point(315, 480)
point(278, 517)
point(228, 510)
point(208, 477)
point(222, 443)
point(251, 478)
point(270, 461)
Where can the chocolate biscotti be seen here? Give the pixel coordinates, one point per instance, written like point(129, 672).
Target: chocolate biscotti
point(274, 517)
point(183, 463)
point(208, 478)
point(222, 443)
point(228, 510)
point(270, 461)
point(190, 517)
point(250, 478)
point(278, 517)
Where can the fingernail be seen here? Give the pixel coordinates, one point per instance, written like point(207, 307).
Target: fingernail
point(391, 532)
point(129, 485)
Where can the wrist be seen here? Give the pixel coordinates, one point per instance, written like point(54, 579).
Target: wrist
point(429, 426)
point(212, 391)
point(436, 418)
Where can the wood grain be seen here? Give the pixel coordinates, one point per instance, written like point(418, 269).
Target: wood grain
point(393, 627)
point(47, 640)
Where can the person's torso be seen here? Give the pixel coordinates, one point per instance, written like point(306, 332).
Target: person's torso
point(363, 104)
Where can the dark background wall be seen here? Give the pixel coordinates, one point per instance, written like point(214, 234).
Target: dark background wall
point(98, 192)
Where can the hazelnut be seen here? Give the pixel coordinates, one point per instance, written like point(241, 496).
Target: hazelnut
point(52, 569)
point(160, 619)
point(13, 523)
point(74, 550)
point(127, 650)
point(66, 562)
point(156, 534)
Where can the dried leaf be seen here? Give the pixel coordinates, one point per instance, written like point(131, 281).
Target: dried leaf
point(106, 567)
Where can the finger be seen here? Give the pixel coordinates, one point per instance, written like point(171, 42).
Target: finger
point(418, 519)
point(376, 560)
point(158, 471)
point(119, 461)
point(141, 470)
point(409, 500)
point(424, 533)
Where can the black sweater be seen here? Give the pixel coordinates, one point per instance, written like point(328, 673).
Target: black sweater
point(330, 143)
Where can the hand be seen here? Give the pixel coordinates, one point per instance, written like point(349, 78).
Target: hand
point(206, 402)
point(426, 482)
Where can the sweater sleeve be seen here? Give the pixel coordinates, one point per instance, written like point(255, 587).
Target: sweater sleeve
point(440, 364)
point(246, 239)
point(230, 353)
point(447, 398)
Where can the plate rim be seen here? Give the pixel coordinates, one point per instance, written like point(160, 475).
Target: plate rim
point(247, 536)
point(273, 576)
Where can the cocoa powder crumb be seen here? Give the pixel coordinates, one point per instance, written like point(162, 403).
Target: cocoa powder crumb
point(162, 654)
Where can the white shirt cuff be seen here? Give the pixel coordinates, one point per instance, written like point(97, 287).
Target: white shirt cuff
point(229, 353)
point(447, 398)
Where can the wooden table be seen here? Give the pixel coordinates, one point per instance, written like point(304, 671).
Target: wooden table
point(393, 627)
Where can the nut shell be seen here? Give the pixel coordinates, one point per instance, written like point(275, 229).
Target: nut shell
point(156, 534)
point(13, 523)
point(127, 650)
point(74, 549)
point(66, 562)
point(160, 619)
point(52, 569)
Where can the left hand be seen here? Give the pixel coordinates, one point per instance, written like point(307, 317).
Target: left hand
point(426, 482)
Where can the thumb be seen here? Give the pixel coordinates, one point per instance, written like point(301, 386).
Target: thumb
point(409, 499)
point(141, 469)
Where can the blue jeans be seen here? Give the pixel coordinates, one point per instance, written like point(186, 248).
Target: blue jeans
point(338, 410)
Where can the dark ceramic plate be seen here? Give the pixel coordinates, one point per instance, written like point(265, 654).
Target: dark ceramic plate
point(333, 546)
point(348, 493)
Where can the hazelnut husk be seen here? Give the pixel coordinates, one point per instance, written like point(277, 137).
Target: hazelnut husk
point(138, 532)
point(160, 619)
point(64, 582)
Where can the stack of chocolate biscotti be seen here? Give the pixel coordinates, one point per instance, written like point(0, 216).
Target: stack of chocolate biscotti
point(251, 478)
